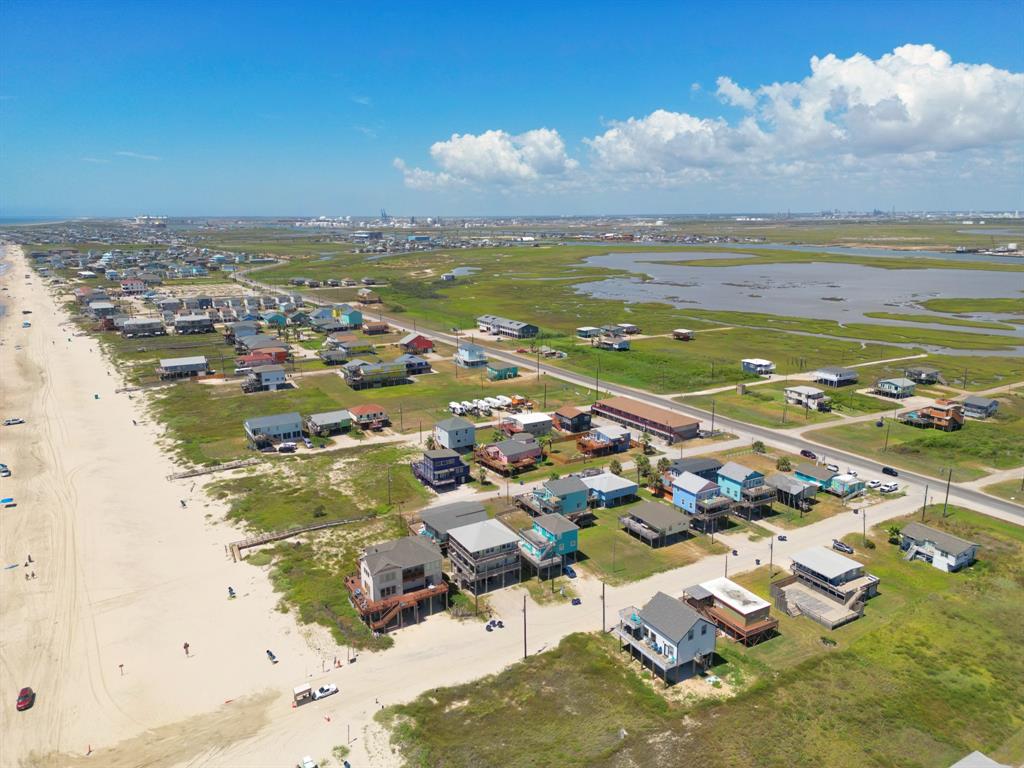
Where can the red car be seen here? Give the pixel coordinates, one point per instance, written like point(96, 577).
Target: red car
point(26, 698)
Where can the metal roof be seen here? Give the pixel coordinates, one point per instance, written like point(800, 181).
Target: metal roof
point(825, 562)
point(657, 516)
point(822, 474)
point(741, 600)
point(692, 483)
point(736, 472)
point(174, 362)
point(329, 417)
point(441, 453)
point(277, 420)
point(566, 485)
point(899, 382)
point(607, 481)
point(786, 484)
point(555, 523)
point(672, 618)
point(442, 519)
point(485, 534)
point(455, 422)
point(946, 542)
point(695, 465)
point(981, 402)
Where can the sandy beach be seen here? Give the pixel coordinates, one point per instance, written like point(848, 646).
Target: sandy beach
point(125, 576)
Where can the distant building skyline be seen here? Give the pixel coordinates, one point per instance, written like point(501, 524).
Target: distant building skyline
point(244, 110)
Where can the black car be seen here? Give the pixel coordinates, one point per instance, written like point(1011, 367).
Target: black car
point(890, 471)
point(808, 454)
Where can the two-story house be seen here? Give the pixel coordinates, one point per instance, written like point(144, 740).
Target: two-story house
point(455, 433)
point(397, 581)
point(668, 637)
point(438, 521)
point(442, 469)
point(484, 556)
point(701, 499)
point(549, 543)
point(747, 488)
point(568, 496)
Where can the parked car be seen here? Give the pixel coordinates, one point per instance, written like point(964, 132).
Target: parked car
point(26, 698)
point(783, 537)
point(306, 762)
point(324, 691)
point(832, 467)
point(569, 571)
point(12, 422)
point(842, 546)
point(307, 442)
point(874, 483)
point(889, 488)
point(808, 454)
point(287, 448)
point(890, 471)
point(26, 324)
point(851, 472)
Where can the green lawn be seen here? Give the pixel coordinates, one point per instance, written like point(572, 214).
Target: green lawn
point(766, 405)
point(982, 372)
point(617, 557)
point(972, 451)
point(900, 687)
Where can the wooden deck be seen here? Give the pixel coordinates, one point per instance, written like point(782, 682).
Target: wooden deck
point(378, 614)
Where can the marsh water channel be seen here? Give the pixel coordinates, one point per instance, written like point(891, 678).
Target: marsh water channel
point(829, 291)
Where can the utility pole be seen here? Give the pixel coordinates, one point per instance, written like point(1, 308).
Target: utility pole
point(545, 396)
point(524, 627)
point(885, 447)
point(771, 559)
point(401, 419)
point(597, 381)
point(864, 524)
point(712, 418)
point(949, 480)
point(389, 485)
point(925, 504)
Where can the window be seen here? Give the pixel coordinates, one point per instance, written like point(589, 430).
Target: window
point(689, 635)
point(703, 629)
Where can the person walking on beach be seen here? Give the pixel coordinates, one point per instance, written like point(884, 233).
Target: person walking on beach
point(186, 649)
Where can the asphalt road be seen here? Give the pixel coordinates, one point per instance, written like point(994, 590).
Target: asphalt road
point(864, 466)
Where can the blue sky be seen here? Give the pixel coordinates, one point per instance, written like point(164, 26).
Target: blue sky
point(268, 108)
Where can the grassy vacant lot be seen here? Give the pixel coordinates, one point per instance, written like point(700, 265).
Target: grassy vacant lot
point(617, 557)
point(918, 317)
point(975, 450)
point(1011, 490)
point(982, 372)
point(712, 359)
point(206, 419)
point(901, 687)
point(1013, 306)
point(766, 405)
point(302, 489)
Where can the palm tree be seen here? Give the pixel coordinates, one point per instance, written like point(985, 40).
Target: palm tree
point(645, 441)
point(894, 534)
point(431, 443)
point(615, 467)
point(663, 465)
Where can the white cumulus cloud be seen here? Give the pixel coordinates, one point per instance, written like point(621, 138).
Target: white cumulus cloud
point(494, 157)
point(911, 111)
